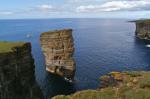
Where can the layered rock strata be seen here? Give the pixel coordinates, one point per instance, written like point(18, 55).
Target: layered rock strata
point(143, 29)
point(17, 80)
point(58, 49)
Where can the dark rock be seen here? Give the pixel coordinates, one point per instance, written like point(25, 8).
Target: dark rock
point(17, 80)
point(143, 29)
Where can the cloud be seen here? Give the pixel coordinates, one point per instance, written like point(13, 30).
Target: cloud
point(119, 5)
point(45, 7)
point(6, 13)
point(79, 1)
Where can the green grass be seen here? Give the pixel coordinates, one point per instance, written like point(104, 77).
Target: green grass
point(135, 85)
point(90, 94)
point(145, 83)
point(93, 94)
point(143, 21)
point(137, 94)
point(62, 97)
point(7, 46)
point(133, 74)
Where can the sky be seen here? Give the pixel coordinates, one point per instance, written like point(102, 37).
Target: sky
point(29, 9)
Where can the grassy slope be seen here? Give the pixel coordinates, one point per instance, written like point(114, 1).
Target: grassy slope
point(130, 85)
point(7, 46)
point(143, 21)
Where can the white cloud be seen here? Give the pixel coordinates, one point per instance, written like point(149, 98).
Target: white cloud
point(49, 9)
point(79, 1)
point(5, 13)
point(116, 6)
point(45, 7)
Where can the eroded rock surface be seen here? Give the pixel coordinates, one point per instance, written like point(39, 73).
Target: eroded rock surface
point(143, 29)
point(58, 49)
point(17, 80)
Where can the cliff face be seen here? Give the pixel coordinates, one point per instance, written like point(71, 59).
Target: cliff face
point(58, 50)
point(17, 79)
point(143, 29)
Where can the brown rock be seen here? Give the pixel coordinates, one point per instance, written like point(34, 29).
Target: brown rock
point(143, 29)
point(58, 49)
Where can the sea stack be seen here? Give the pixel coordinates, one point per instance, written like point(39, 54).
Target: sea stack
point(143, 29)
point(17, 80)
point(58, 49)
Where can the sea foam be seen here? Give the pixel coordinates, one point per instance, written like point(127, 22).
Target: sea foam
point(148, 45)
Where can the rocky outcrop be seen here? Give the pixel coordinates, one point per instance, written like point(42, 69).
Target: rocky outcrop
point(117, 85)
point(17, 80)
point(58, 49)
point(143, 29)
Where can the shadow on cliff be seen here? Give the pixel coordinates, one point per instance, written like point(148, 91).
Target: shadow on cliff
point(56, 85)
point(142, 46)
point(51, 84)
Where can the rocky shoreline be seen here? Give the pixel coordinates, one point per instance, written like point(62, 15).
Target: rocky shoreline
point(117, 85)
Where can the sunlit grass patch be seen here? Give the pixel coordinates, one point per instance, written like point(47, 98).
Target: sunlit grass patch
point(8, 46)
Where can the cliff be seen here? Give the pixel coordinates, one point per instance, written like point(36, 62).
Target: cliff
point(58, 49)
point(143, 29)
point(116, 85)
point(17, 80)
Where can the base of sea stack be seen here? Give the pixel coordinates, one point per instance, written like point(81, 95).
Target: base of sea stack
point(68, 75)
point(17, 80)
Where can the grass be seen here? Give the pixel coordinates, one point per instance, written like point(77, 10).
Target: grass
point(7, 46)
point(133, 74)
point(62, 97)
point(137, 94)
point(134, 85)
point(89, 94)
point(145, 83)
point(143, 21)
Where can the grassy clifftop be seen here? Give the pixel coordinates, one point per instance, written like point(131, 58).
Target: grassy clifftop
point(8, 46)
point(143, 21)
point(116, 85)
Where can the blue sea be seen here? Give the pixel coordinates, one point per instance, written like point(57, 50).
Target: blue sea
point(101, 46)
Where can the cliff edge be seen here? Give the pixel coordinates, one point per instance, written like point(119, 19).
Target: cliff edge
point(17, 80)
point(117, 85)
point(58, 49)
point(143, 29)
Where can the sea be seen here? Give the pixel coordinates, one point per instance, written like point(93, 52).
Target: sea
point(101, 46)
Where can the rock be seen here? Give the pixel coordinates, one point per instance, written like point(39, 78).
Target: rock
point(143, 29)
point(117, 76)
point(58, 49)
point(125, 89)
point(17, 80)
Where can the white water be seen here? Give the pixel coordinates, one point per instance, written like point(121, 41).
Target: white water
point(148, 45)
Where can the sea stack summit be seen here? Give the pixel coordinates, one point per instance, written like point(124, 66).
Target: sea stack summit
point(143, 29)
point(58, 49)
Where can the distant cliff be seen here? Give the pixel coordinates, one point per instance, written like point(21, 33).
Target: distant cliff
point(58, 49)
point(143, 29)
point(17, 80)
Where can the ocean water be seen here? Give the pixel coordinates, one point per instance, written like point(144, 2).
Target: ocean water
point(101, 46)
